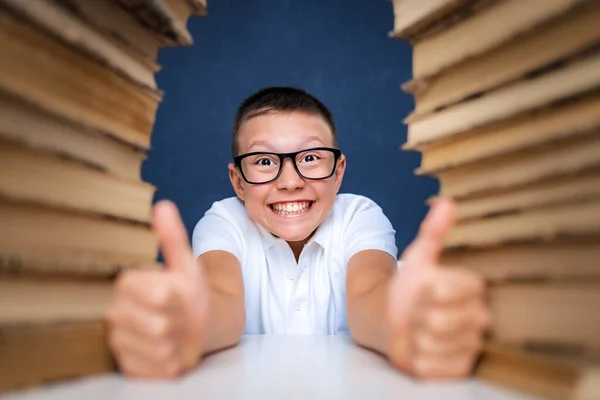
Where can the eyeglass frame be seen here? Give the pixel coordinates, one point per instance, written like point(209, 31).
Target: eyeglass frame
point(282, 156)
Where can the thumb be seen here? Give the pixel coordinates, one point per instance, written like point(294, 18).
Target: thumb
point(428, 245)
point(172, 237)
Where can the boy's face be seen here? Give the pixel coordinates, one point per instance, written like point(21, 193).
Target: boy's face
point(290, 207)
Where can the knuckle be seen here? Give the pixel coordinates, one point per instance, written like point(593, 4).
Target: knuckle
point(124, 365)
point(440, 322)
point(420, 343)
point(131, 370)
point(157, 295)
point(424, 343)
point(160, 294)
point(476, 344)
point(486, 318)
point(481, 284)
point(112, 314)
point(117, 313)
point(423, 368)
point(114, 341)
point(165, 350)
point(476, 280)
point(464, 366)
point(123, 281)
point(431, 320)
point(160, 327)
point(172, 368)
point(454, 375)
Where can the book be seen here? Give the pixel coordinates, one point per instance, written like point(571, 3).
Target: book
point(36, 354)
point(28, 175)
point(38, 238)
point(62, 24)
point(551, 376)
point(167, 17)
point(559, 122)
point(555, 41)
point(488, 29)
point(554, 315)
point(65, 82)
point(25, 123)
point(78, 101)
point(411, 16)
point(506, 118)
point(540, 262)
point(110, 18)
point(36, 301)
point(184, 9)
point(520, 168)
point(575, 78)
point(573, 220)
point(566, 189)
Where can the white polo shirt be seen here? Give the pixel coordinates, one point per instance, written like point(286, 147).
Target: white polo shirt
point(283, 296)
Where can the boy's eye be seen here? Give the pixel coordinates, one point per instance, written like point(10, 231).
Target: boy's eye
point(264, 162)
point(309, 158)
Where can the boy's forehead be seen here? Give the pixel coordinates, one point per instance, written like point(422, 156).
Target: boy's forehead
point(283, 132)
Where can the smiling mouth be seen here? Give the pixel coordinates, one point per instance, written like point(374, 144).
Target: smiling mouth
point(291, 208)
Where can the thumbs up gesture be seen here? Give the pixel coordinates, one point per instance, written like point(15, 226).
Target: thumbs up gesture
point(157, 317)
point(436, 315)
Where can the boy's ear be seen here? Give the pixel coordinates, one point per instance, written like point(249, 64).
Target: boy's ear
point(339, 172)
point(236, 181)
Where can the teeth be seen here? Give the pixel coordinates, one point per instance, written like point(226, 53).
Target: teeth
point(290, 208)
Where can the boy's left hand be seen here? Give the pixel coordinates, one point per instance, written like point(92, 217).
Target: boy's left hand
point(436, 315)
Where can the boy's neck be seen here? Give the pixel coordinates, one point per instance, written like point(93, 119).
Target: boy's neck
point(297, 248)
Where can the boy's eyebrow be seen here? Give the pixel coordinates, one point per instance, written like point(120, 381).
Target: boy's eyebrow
point(266, 144)
point(312, 139)
point(260, 143)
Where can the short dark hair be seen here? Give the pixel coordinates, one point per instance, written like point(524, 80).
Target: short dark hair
point(279, 99)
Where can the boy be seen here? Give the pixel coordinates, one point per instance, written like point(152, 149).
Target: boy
point(291, 256)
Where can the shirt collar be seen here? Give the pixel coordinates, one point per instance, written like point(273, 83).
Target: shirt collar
point(321, 235)
point(267, 238)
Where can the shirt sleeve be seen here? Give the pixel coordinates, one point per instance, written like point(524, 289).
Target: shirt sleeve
point(217, 230)
point(369, 229)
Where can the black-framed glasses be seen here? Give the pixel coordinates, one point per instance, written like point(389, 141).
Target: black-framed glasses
point(316, 163)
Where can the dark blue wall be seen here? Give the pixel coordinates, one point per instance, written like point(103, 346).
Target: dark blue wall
point(338, 50)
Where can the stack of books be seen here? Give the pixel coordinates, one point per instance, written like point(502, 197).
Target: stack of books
point(507, 118)
point(78, 102)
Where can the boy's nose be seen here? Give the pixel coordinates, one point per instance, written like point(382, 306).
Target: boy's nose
point(289, 178)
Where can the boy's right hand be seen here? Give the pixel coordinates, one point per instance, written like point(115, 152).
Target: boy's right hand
point(157, 318)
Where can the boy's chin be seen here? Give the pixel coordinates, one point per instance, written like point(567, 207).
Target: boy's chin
point(297, 237)
point(293, 236)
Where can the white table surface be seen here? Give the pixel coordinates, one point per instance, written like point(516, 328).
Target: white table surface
point(276, 367)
